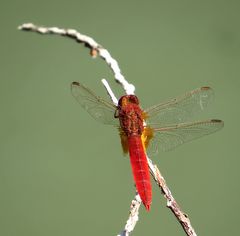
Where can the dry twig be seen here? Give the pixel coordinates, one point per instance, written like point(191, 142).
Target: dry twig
point(133, 216)
point(171, 202)
point(97, 49)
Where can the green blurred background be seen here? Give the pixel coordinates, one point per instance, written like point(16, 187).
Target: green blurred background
point(62, 173)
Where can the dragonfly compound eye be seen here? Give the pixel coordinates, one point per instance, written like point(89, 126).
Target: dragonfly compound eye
point(133, 99)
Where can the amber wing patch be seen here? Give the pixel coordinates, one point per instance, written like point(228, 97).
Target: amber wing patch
point(124, 141)
point(146, 136)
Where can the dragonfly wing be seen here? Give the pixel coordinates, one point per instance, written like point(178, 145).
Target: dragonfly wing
point(180, 109)
point(96, 106)
point(167, 138)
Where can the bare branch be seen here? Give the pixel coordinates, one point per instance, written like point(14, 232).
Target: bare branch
point(110, 92)
point(171, 202)
point(133, 216)
point(95, 49)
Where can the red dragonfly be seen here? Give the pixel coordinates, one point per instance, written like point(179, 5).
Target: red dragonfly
point(164, 125)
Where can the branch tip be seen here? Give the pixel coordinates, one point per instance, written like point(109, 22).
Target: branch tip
point(95, 48)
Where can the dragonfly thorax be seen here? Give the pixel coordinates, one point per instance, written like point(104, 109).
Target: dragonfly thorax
point(130, 115)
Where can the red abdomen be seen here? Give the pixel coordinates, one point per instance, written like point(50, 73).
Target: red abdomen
point(140, 169)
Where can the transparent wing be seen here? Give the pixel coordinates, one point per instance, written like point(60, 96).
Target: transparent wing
point(170, 137)
point(97, 107)
point(180, 109)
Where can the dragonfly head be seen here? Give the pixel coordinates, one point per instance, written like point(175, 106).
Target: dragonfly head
point(128, 99)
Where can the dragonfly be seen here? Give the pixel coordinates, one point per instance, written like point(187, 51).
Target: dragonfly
point(144, 131)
